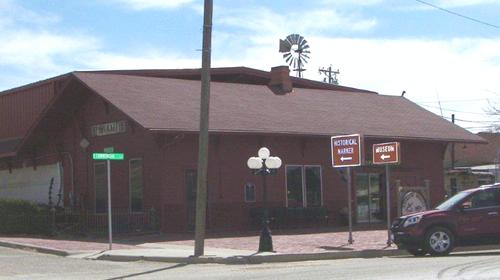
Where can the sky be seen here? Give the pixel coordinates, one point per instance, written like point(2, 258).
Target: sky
point(446, 57)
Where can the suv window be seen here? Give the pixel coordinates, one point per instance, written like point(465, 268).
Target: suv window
point(484, 198)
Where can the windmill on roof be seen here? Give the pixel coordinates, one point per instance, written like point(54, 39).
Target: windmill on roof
point(295, 52)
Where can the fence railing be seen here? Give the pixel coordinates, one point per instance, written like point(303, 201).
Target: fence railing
point(71, 221)
point(123, 221)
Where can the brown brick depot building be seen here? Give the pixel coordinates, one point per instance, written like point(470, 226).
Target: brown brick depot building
point(49, 129)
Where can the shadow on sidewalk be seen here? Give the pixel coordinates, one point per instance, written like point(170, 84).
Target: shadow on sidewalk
point(148, 272)
point(166, 237)
point(336, 248)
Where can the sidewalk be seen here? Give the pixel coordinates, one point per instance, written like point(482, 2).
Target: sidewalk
point(288, 245)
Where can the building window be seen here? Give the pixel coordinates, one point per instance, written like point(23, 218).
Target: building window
point(101, 187)
point(453, 186)
point(313, 186)
point(303, 185)
point(249, 192)
point(136, 185)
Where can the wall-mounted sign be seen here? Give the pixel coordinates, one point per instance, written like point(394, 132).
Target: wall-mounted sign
point(413, 202)
point(384, 153)
point(346, 150)
point(108, 128)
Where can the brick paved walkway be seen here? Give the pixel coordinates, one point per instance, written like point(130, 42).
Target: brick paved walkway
point(303, 243)
point(291, 241)
point(66, 245)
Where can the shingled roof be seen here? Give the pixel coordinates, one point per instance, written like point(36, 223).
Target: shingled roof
point(169, 104)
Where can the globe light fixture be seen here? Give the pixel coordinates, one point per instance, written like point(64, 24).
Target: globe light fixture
point(264, 153)
point(254, 163)
point(264, 165)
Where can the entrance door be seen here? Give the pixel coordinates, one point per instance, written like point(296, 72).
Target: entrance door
point(191, 187)
point(368, 198)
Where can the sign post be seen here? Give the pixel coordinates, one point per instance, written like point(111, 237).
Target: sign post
point(387, 153)
point(346, 152)
point(108, 157)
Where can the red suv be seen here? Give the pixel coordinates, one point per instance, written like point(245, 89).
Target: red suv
point(467, 218)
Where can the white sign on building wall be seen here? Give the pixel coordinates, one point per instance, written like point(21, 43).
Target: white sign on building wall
point(30, 184)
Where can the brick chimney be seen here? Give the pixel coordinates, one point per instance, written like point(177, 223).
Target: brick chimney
point(280, 80)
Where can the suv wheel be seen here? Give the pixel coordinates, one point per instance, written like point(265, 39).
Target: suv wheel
point(439, 241)
point(417, 252)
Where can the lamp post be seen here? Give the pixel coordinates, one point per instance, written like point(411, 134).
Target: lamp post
point(264, 165)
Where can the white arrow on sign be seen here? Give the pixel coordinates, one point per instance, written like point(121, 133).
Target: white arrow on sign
point(383, 157)
point(345, 158)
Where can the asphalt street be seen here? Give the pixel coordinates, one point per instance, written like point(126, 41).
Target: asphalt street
point(18, 264)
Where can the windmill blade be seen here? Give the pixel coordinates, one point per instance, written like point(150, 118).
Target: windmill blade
point(289, 59)
point(286, 55)
point(303, 43)
point(306, 56)
point(295, 38)
point(305, 47)
point(300, 40)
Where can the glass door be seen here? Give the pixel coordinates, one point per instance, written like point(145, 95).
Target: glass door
point(363, 198)
point(368, 198)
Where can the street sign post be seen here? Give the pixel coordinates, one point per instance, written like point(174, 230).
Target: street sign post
point(387, 153)
point(108, 157)
point(346, 152)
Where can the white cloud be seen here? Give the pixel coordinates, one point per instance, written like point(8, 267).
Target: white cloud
point(41, 50)
point(150, 60)
point(11, 13)
point(154, 4)
point(262, 20)
point(353, 2)
point(35, 48)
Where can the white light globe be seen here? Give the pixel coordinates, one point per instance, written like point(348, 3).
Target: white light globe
point(254, 163)
point(273, 162)
point(264, 153)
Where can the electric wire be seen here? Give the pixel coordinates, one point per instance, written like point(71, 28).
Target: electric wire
point(453, 110)
point(459, 15)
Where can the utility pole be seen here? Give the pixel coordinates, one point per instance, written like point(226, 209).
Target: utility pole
point(330, 74)
point(453, 146)
point(201, 194)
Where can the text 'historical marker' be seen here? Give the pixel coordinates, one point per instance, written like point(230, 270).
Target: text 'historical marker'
point(346, 150)
point(384, 153)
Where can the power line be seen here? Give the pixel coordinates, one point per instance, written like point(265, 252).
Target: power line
point(469, 121)
point(458, 101)
point(451, 110)
point(459, 15)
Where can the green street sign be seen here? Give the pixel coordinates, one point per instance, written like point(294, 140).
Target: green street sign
point(106, 156)
point(109, 150)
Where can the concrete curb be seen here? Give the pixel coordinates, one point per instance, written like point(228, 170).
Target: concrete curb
point(256, 259)
point(238, 259)
point(36, 248)
point(271, 257)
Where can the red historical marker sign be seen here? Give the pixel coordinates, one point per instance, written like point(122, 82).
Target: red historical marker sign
point(384, 153)
point(346, 150)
